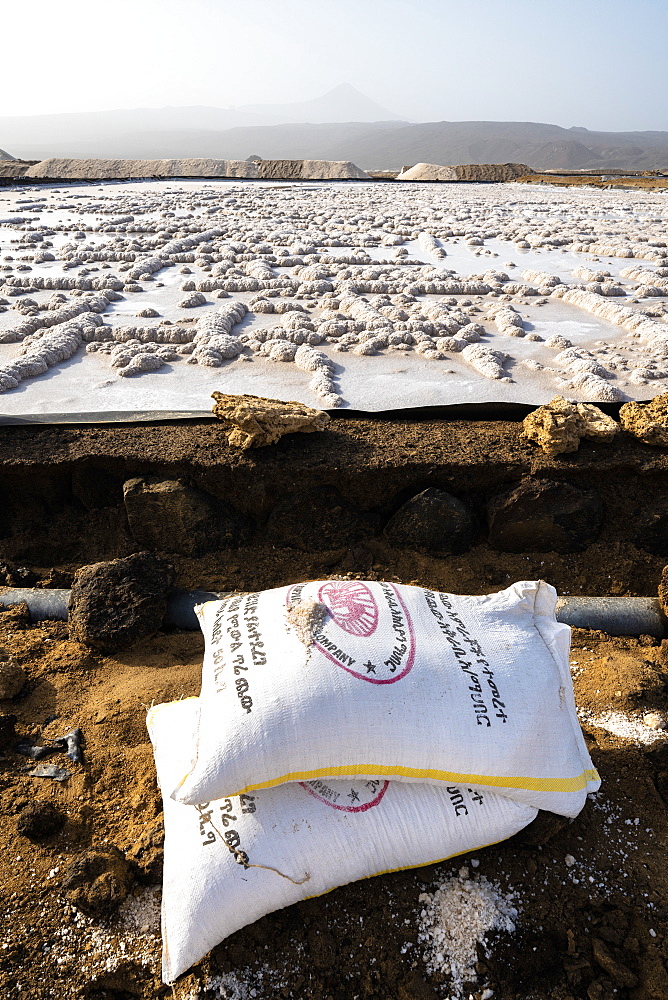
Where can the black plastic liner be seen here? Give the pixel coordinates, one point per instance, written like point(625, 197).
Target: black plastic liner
point(455, 411)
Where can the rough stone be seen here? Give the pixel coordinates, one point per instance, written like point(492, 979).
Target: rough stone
point(544, 516)
point(168, 516)
point(317, 520)
point(558, 426)
point(12, 678)
point(358, 559)
point(114, 604)
point(655, 720)
point(253, 421)
point(432, 521)
point(98, 881)
point(647, 421)
point(39, 820)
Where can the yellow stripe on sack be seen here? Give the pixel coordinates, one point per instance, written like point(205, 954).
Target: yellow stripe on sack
point(575, 784)
point(405, 868)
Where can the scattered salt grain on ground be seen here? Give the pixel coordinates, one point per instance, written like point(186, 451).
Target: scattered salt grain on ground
point(627, 727)
point(246, 984)
point(132, 935)
point(456, 918)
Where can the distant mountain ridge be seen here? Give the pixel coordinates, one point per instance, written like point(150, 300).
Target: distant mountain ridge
point(342, 104)
point(39, 132)
point(340, 125)
point(541, 146)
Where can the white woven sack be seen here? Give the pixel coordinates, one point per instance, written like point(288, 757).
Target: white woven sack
point(345, 678)
point(299, 840)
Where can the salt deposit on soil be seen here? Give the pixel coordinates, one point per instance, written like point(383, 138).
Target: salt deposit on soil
point(638, 729)
point(456, 918)
point(133, 934)
point(363, 295)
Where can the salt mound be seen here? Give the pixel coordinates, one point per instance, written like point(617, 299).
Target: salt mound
point(465, 172)
point(492, 171)
point(428, 172)
point(11, 167)
point(57, 168)
point(279, 170)
point(315, 170)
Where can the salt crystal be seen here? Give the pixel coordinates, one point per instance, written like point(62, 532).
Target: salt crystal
point(459, 915)
point(655, 720)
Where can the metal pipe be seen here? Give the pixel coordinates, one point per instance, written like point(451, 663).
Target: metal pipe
point(53, 604)
point(181, 607)
point(614, 615)
point(43, 605)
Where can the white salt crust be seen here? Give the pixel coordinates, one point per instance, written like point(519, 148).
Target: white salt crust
point(310, 275)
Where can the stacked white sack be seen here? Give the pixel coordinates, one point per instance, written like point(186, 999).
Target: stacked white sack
point(298, 840)
point(355, 679)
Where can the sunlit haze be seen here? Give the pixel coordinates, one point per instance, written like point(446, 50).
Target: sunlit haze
point(576, 62)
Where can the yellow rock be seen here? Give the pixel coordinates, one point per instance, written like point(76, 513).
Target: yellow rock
point(253, 421)
point(647, 421)
point(558, 426)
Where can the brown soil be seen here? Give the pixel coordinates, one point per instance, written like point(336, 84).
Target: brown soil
point(584, 931)
point(570, 180)
point(51, 479)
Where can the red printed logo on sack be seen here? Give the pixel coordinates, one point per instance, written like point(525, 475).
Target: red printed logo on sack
point(356, 797)
point(352, 606)
point(369, 635)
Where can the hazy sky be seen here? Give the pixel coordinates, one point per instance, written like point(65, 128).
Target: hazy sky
point(597, 63)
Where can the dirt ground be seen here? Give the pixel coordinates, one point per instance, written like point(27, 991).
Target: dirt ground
point(61, 492)
point(587, 180)
point(592, 898)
